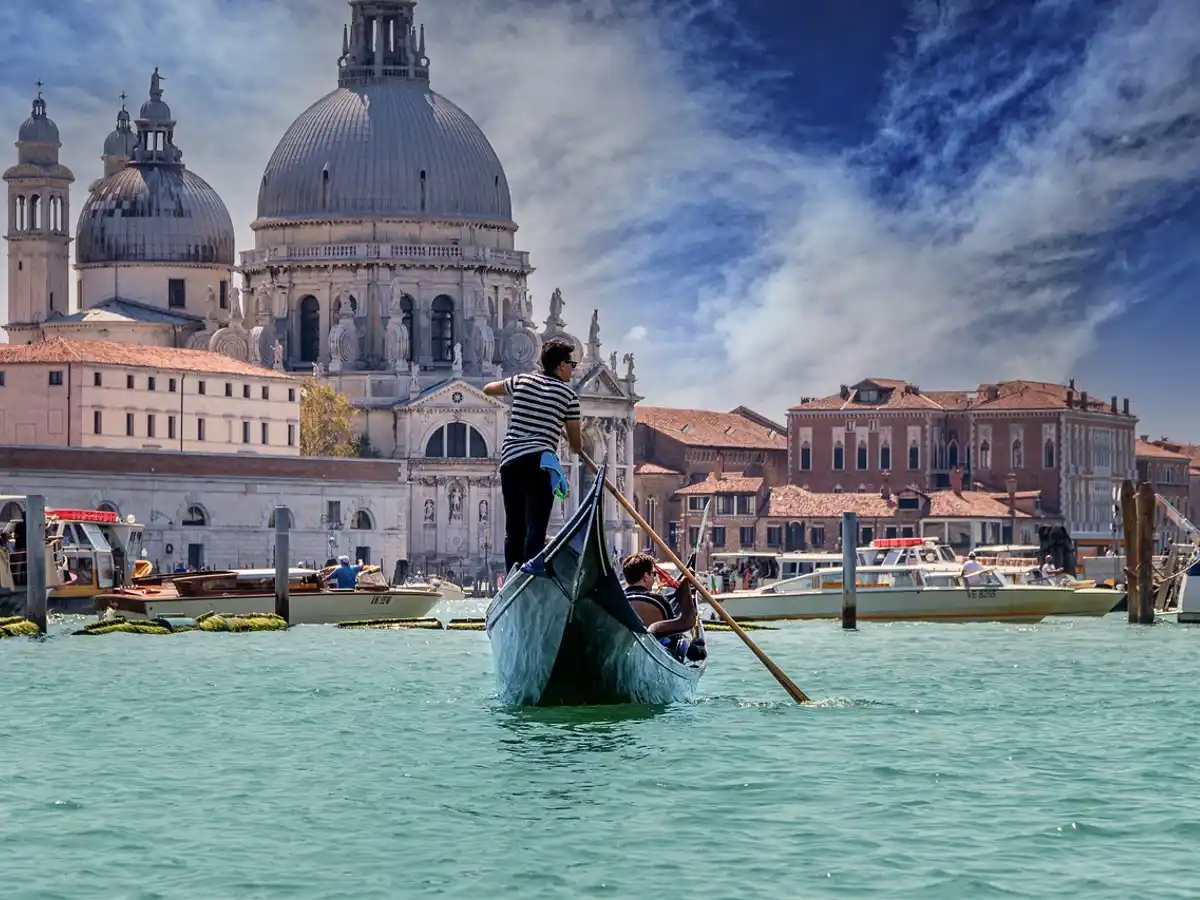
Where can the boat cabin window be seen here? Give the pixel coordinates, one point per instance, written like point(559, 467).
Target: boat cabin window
point(942, 579)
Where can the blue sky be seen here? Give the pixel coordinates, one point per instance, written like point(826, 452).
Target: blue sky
point(764, 199)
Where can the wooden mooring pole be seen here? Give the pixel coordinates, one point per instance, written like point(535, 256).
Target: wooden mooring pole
point(1129, 521)
point(35, 560)
point(283, 518)
point(849, 571)
point(1147, 510)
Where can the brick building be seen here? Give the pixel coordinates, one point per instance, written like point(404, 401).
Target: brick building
point(1169, 471)
point(1192, 452)
point(741, 454)
point(1070, 448)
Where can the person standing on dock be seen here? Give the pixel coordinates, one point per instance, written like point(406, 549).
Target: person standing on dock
point(531, 475)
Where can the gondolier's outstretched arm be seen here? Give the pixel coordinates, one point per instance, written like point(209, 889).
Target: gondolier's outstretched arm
point(531, 475)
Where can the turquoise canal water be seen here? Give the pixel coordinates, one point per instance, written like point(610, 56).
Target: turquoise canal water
point(947, 761)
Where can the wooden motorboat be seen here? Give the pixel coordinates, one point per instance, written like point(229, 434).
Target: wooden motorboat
point(899, 593)
point(245, 591)
point(566, 635)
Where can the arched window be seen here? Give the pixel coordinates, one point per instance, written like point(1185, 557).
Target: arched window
point(839, 456)
point(195, 517)
point(11, 511)
point(805, 457)
point(456, 441)
point(914, 457)
point(291, 520)
point(1048, 454)
point(651, 512)
point(885, 456)
point(952, 455)
point(441, 326)
point(310, 329)
point(985, 454)
point(22, 213)
point(862, 460)
point(362, 521)
point(1018, 455)
point(108, 506)
point(35, 213)
point(406, 319)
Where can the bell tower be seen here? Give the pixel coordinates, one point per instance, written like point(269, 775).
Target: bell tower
point(38, 235)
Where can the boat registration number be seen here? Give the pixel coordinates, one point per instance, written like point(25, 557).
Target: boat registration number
point(380, 601)
point(982, 593)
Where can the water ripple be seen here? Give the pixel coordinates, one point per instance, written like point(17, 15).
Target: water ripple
point(935, 762)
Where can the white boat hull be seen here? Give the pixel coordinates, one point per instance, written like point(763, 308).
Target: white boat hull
point(1087, 602)
point(324, 608)
point(1014, 603)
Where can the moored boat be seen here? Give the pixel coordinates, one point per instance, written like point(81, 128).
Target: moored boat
point(245, 591)
point(565, 634)
point(897, 594)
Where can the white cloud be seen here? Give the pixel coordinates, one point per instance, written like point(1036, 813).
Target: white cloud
point(620, 156)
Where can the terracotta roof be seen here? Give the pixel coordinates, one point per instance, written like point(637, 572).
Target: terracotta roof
point(1032, 395)
point(705, 428)
point(1155, 450)
point(969, 505)
point(894, 395)
point(725, 484)
point(793, 502)
point(649, 468)
point(1004, 395)
point(111, 353)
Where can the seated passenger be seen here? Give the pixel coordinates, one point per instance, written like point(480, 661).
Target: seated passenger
point(971, 569)
point(668, 619)
point(345, 576)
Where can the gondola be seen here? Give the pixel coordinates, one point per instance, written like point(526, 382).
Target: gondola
point(565, 635)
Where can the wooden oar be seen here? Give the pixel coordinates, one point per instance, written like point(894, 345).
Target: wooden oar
point(788, 685)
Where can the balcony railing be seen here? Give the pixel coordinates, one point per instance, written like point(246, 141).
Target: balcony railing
point(436, 254)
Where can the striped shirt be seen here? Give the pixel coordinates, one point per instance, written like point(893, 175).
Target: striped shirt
point(541, 406)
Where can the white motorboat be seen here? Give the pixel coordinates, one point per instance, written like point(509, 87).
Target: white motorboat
point(245, 591)
point(898, 593)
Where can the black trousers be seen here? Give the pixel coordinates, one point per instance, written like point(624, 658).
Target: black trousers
point(528, 501)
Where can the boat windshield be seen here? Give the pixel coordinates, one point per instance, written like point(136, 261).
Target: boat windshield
point(831, 579)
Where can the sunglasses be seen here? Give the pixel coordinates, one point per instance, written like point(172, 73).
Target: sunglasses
point(570, 362)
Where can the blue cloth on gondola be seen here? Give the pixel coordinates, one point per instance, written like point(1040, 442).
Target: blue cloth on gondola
point(558, 479)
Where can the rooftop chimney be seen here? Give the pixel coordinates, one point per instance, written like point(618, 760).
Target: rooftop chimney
point(885, 490)
point(956, 480)
point(993, 392)
point(1125, 406)
point(845, 392)
point(719, 466)
point(1070, 398)
point(1113, 408)
point(1071, 384)
point(1083, 399)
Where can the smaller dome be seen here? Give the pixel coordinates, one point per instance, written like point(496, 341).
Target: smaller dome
point(154, 213)
point(39, 128)
point(155, 110)
point(122, 142)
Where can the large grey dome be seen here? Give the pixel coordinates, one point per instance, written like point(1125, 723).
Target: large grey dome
point(388, 149)
point(154, 213)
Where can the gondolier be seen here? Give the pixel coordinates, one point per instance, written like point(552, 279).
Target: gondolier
point(544, 403)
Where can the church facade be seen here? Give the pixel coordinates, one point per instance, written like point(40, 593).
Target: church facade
point(395, 277)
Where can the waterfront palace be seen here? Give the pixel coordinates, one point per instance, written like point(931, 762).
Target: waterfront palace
point(384, 264)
